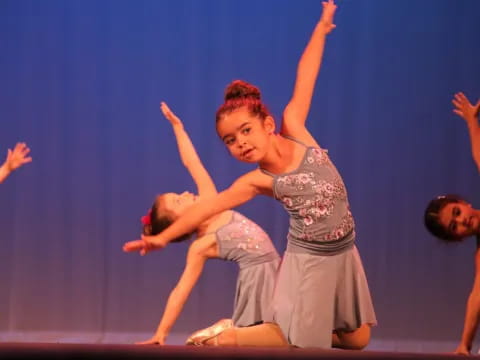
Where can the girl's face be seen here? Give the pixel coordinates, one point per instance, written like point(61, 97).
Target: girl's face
point(175, 204)
point(460, 219)
point(247, 137)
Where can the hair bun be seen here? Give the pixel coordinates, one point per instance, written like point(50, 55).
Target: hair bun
point(239, 89)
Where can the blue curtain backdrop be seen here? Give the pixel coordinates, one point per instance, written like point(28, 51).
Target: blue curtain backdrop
point(81, 82)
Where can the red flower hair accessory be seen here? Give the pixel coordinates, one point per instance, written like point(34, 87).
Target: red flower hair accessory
point(146, 218)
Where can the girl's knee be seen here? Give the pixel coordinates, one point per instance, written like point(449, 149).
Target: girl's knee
point(352, 340)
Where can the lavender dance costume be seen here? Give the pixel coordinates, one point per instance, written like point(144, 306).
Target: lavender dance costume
point(321, 285)
point(244, 242)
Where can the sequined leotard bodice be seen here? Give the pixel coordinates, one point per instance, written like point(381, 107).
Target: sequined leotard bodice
point(316, 199)
point(244, 242)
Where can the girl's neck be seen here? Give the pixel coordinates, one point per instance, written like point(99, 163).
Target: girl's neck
point(280, 155)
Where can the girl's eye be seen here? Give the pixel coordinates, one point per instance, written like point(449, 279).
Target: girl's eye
point(246, 130)
point(453, 227)
point(229, 141)
point(456, 211)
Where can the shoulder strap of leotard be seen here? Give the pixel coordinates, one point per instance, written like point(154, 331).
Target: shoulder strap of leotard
point(289, 138)
point(293, 139)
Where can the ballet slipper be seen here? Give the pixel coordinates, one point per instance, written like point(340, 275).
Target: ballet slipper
point(200, 337)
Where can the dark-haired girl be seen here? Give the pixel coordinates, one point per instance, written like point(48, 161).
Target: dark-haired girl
point(321, 294)
point(227, 235)
point(451, 218)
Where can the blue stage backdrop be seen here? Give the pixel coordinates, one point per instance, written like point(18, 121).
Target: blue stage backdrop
point(81, 82)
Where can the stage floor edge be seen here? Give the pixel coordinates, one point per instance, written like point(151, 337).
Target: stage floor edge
point(120, 351)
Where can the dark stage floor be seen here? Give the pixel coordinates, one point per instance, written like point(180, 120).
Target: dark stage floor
point(120, 352)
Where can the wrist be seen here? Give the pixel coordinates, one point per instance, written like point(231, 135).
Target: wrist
point(177, 127)
point(158, 242)
point(471, 121)
point(323, 25)
point(5, 168)
point(324, 28)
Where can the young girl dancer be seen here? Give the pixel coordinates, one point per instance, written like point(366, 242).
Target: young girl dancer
point(227, 235)
point(321, 288)
point(15, 158)
point(453, 219)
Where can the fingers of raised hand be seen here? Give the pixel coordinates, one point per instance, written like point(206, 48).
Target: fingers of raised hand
point(21, 150)
point(169, 114)
point(457, 103)
point(164, 109)
point(458, 112)
point(329, 7)
point(460, 97)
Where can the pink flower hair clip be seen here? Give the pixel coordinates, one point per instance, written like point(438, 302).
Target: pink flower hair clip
point(146, 218)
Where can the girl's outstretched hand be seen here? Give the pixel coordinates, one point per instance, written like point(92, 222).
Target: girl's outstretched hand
point(174, 120)
point(157, 339)
point(18, 156)
point(328, 13)
point(135, 245)
point(144, 245)
point(464, 108)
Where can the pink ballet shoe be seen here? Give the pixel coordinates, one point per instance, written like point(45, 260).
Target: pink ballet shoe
point(200, 337)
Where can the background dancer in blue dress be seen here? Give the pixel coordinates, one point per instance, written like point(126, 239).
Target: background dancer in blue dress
point(228, 236)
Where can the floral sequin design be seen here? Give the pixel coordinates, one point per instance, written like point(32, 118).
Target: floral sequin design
point(311, 198)
point(250, 236)
point(297, 181)
point(344, 228)
point(318, 206)
point(318, 156)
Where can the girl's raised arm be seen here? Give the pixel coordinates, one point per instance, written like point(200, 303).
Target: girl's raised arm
point(296, 112)
point(469, 112)
point(189, 156)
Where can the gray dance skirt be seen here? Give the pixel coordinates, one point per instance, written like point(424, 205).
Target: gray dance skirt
point(316, 294)
point(254, 293)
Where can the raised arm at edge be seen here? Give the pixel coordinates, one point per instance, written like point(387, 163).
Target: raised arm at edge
point(474, 132)
point(4, 172)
